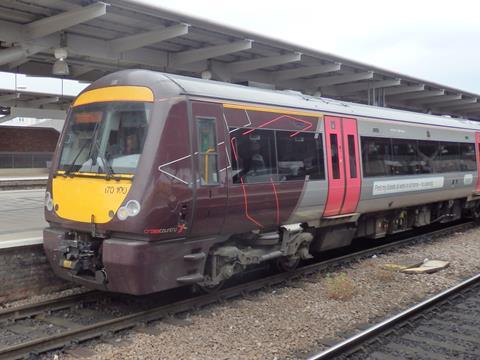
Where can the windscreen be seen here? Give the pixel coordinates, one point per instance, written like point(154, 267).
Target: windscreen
point(105, 137)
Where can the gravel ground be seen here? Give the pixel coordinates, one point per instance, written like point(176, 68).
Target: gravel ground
point(44, 297)
point(288, 323)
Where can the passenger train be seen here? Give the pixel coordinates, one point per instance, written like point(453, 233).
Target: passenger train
point(161, 181)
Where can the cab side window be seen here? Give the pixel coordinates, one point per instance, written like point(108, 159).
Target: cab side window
point(207, 154)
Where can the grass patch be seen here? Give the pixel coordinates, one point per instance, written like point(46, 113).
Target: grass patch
point(340, 287)
point(383, 275)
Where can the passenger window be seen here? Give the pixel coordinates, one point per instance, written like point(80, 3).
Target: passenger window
point(468, 160)
point(404, 157)
point(335, 156)
point(352, 158)
point(427, 154)
point(208, 156)
point(376, 156)
point(253, 156)
point(448, 161)
point(299, 156)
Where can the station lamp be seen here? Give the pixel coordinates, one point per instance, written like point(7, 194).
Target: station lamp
point(60, 67)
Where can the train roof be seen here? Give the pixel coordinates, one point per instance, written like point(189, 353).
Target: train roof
point(278, 98)
point(293, 99)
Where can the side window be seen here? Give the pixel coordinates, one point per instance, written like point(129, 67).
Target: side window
point(253, 156)
point(376, 156)
point(335, 157)
point(427, 154)
point(207, 154)
point(448, 161)
point(299, 156)
point(404, 157)
point(352, 158)
point(467, 157)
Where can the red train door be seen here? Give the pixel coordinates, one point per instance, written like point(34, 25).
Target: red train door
point(477, 148)
point(343, 160)
point(352, 162)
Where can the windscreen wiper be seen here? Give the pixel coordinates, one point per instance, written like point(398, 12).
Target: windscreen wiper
point(70, 168)
point(72, 165)
point(106, 166)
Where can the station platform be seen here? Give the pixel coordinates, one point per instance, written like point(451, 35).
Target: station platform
point(22, 182)
point(24, 267)
point(21, 217)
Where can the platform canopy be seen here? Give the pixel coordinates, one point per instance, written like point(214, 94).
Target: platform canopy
point(95, 38)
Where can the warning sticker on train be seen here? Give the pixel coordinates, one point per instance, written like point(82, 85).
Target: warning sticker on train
point(405, 185)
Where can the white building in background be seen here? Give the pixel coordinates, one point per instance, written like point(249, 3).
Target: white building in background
point(40, 86)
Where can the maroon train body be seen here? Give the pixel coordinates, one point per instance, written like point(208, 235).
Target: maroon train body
point(161, 181)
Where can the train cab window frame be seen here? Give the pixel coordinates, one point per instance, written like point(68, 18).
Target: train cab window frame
point(207, 151)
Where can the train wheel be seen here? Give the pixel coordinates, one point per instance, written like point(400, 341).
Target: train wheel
point(287, 263)
point(210, 289)
point(476, 214)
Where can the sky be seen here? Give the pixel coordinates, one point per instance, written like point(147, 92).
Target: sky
point(438, 41)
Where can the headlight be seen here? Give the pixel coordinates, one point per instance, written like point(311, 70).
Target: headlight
point(131, 208)
point(122, 213)
point(48, 201)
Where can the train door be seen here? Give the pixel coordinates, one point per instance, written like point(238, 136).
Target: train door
point(209, 155)
point(477, 148)
point(343, 162)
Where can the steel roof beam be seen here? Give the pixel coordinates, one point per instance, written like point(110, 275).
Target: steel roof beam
point(465, 106)
point(148, 38)
point(456, 103)
point(41, 101)
point(471, 111)
point(253, 64)
point(191, 56)
point(404, 89)
point(418, 95)
point(337, 79)
point(367, 85)
point(284, 75)
point(436, 99)
point(18, 53)
point(52, 24)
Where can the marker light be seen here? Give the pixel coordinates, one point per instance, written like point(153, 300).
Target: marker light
point(48, 201)
point(131, 208)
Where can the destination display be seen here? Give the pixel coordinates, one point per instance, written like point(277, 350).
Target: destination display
point(405, 185)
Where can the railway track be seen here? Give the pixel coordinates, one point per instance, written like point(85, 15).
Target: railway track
point(445, 326)
point(56, 328)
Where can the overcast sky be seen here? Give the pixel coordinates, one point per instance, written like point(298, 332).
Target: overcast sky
point(434, 40)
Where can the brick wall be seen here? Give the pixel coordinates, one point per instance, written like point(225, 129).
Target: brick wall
point(25, 271)
point(27, 139)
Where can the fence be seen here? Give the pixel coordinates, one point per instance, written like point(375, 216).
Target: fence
point(25, 160)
